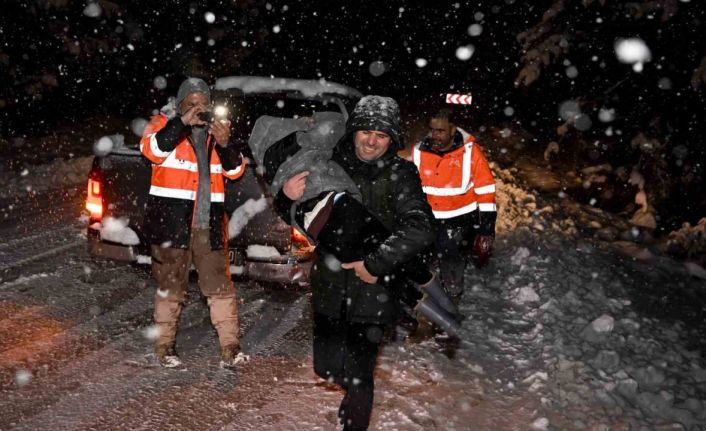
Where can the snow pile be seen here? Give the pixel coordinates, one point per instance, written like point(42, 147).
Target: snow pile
point(243, 214)
point(588, 355)
point(57, 174)
point(117, 230)
point(262, 251)
point(309, 88)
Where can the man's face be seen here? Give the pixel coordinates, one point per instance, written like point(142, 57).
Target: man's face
point(371, 144)
point(194, 99)
point(442, 133)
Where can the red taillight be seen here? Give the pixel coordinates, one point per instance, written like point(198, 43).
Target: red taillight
point(299, 239)
point(94, 200)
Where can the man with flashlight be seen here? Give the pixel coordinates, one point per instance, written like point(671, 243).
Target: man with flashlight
point(186, 222)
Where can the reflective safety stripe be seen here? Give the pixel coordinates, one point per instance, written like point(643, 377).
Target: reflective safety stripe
point(172, 193)
point(174, 163)
point(446, 191)
point(487, 207)
point(457, 212)
point(183, 194)
point(155, 148)
point(235, 171)
point(485, 189)
point(466, 183)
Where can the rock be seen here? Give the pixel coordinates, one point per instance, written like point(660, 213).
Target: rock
point(604, 398)
point(599, 330)
point(595, 225)
point(607, 360)
point(644, 219)
point(628, 325)
point(607, 234)
point(628, 389)
point(649, 377)
point(540, 424)
point(698, 374)
point(653, 404)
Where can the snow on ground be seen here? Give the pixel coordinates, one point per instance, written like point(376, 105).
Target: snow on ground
point(57, 174)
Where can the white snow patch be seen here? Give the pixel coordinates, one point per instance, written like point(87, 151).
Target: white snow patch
point(23, 377)
point(117, 230)
point(237, 269)
point(144, 260)
point(525, 294)
point(520, 257)
point(540, 424)
point(258, 84)
point(261, 251)
point(244, 213)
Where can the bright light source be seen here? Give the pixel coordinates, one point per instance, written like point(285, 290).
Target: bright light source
point(220, 111)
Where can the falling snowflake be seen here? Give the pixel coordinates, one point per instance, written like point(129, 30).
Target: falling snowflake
point(464, 53)
point(633, 51)
point(209, 17)
point(475, 30)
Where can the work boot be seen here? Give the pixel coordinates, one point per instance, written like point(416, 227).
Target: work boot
point(428, 308)
point(434, 289)
point(166, 356)
point(231, 356)
point(224, 316)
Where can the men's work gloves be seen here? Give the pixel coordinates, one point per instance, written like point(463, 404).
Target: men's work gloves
point(482, 245)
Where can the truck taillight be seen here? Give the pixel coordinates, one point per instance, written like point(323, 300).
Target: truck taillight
point(94, 200)
point(299, 239)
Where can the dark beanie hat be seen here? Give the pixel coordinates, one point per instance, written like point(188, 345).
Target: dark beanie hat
point(376, 113)
point(192, 85)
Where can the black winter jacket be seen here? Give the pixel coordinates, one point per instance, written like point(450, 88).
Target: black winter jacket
point(391, 190)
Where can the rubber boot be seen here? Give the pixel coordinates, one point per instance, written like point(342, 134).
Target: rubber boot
point(438, 294)
point(428, 308)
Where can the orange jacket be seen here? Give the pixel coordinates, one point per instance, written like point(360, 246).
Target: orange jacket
point(174, 184)
point(456, 182)
point(175, 173)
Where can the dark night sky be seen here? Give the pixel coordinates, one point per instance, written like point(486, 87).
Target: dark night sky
point(334, 40)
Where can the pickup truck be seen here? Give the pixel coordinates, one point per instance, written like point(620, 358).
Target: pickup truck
point(262, 247)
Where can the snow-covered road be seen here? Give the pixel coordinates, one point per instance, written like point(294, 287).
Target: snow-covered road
point(561, 334)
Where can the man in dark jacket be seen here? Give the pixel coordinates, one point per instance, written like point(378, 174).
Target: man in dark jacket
point(350, 308)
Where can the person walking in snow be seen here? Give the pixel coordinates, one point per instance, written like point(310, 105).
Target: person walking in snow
point(330, 211)
point(185, 221)
point(351, 308)
point(460, 188)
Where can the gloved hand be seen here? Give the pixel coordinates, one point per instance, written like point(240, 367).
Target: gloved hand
point(482, 245)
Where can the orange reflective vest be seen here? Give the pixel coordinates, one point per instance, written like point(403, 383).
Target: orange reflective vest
point(175, 173)
point(456, 182)
point(174, 184)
